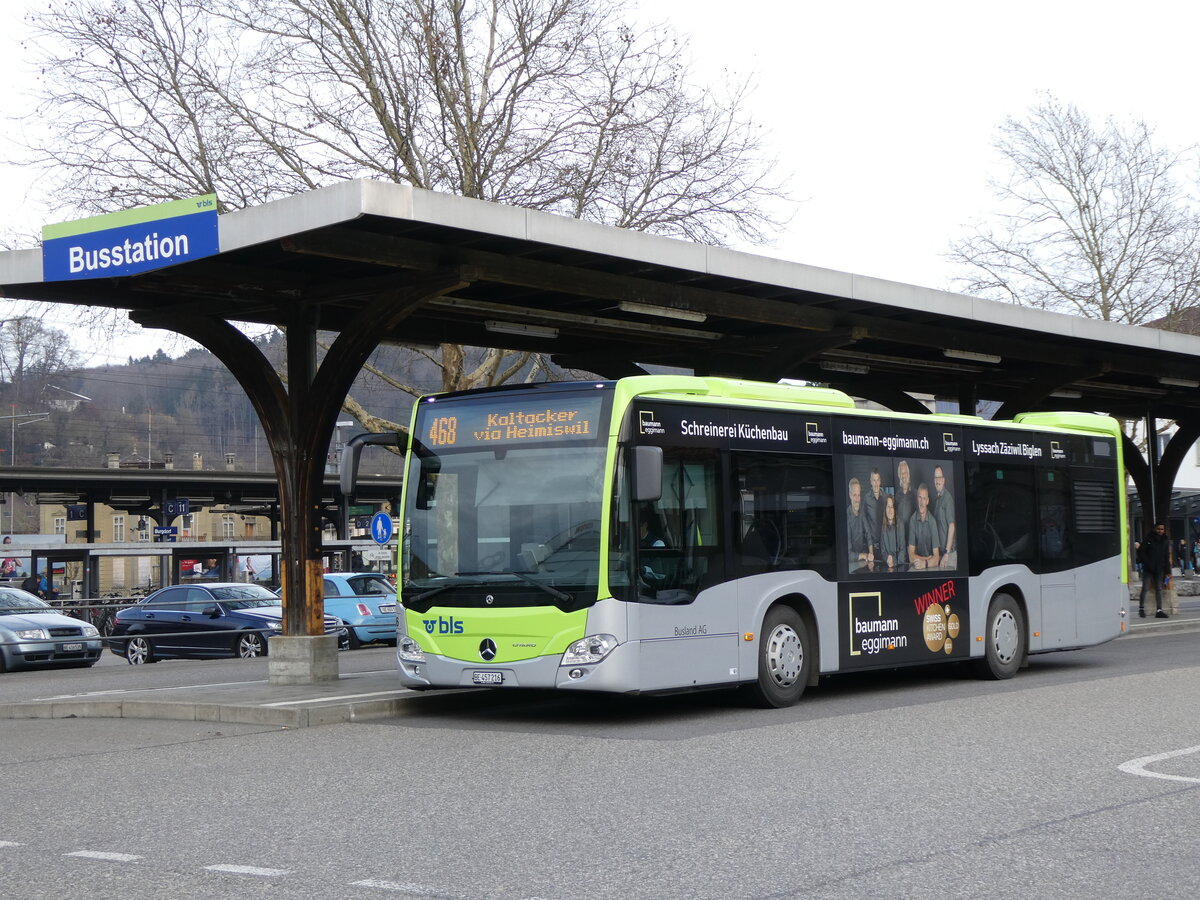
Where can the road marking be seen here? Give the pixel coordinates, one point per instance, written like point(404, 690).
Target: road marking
point(248, 870)
point(398, 887)
point(106, 857)
point(9, 844)
point(332, 699)
point(182, 687)
point(1138, 766)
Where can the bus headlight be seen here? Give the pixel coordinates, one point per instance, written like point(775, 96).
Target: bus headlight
point(409, 650)
point(590, 649)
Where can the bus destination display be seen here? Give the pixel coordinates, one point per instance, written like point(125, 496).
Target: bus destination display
point(553, 419)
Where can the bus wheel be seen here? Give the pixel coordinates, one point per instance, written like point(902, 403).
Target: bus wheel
point(1004, 639)
point(784, 659)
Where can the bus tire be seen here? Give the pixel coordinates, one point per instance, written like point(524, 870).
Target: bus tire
point(1003, 639)
point(784, 659)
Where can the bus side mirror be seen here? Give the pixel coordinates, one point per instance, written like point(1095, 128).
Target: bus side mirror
point(647, 474)
point(426, 482)
point(348, 464)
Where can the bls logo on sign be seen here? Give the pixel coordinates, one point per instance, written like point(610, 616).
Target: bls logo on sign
point(443, 626)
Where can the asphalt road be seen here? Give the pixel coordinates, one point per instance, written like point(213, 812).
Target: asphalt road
point(915, 784)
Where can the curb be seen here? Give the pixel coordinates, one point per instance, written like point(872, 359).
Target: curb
point(240, 714)
point(1160, 626)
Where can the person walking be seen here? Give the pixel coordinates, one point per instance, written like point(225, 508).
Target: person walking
point(1154, 553)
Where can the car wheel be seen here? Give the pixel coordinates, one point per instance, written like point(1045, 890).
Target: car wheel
point(249, 645)
point(139, 651)
point(1004, 639)
point(784, 659)
point(352, 641)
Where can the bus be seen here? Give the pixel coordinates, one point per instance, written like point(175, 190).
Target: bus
point(666, 533)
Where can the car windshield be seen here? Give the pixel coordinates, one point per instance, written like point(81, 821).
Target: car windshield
point(245, 596)
point(13, 603)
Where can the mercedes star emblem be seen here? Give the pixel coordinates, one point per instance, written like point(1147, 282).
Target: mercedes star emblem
point(487, 650)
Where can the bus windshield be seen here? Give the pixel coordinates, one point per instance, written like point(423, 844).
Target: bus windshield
point(525, 511)
point(506, 492)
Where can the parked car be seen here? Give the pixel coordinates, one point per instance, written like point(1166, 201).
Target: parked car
point(33, 633)
point(366, 602)
point(202, 620)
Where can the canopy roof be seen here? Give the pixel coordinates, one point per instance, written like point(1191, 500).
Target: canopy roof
point(604, 299)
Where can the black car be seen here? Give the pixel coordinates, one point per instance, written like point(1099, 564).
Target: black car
point(202, 620)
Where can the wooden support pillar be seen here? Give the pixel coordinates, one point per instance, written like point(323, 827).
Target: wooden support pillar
point(1186, 434)
point(298, 421)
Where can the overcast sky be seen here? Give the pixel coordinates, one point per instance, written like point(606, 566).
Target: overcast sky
point(884, 113)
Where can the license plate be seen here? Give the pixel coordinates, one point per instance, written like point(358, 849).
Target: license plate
point(68, 647)
point(387, 607)
point(487, 678)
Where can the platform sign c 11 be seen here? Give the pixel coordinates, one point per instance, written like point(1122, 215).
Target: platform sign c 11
point(180, 507)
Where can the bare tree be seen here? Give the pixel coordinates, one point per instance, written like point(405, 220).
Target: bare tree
point(31, 355)
point(556, 105)
point(546, 104)
point(1090, 221)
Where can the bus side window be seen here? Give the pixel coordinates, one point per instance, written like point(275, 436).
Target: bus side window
point(786, 513)
point(1001, 514)
point(1054, 532)
point(682, 545)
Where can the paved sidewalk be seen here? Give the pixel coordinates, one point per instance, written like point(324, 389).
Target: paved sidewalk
point(1186, 619)
point(351, 698)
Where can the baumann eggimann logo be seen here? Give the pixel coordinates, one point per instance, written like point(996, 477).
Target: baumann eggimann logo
point(648, 423)
point(487, 649)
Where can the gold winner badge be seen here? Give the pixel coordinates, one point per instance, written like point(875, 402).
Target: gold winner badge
point(935, 627)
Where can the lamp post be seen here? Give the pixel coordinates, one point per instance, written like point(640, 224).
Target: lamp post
point(12, 457)
point(30, 418)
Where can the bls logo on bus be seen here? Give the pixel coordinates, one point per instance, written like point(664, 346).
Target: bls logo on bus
point(443, 626)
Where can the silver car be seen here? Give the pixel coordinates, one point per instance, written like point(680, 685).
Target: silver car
point(32, 634)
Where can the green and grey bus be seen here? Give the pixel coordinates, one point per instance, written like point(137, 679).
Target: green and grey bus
point(666, 533)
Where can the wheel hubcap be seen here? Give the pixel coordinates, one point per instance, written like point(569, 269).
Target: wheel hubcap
point(136, 652)
point(249, 646)
point(785, 655)
point(1004, 636)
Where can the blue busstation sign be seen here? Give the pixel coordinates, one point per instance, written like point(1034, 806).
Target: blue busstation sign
point(132, 241)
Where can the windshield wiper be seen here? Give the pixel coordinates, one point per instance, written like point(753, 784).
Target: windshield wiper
point(552, 591)
point(432, 591)
point(561, 596)
point(445, 587)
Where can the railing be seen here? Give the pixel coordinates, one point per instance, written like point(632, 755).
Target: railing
point(101, 613)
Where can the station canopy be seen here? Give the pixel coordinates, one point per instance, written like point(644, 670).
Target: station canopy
point(609, 301)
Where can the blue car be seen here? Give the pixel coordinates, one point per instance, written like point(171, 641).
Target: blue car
point(202, 620)
point(366, 602)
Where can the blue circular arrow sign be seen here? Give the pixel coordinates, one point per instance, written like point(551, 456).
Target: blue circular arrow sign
point(381, 527)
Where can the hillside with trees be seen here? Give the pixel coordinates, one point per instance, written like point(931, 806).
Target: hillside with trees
point(158, 405)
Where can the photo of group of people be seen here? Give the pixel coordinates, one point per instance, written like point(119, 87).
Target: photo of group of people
point(900, 515)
